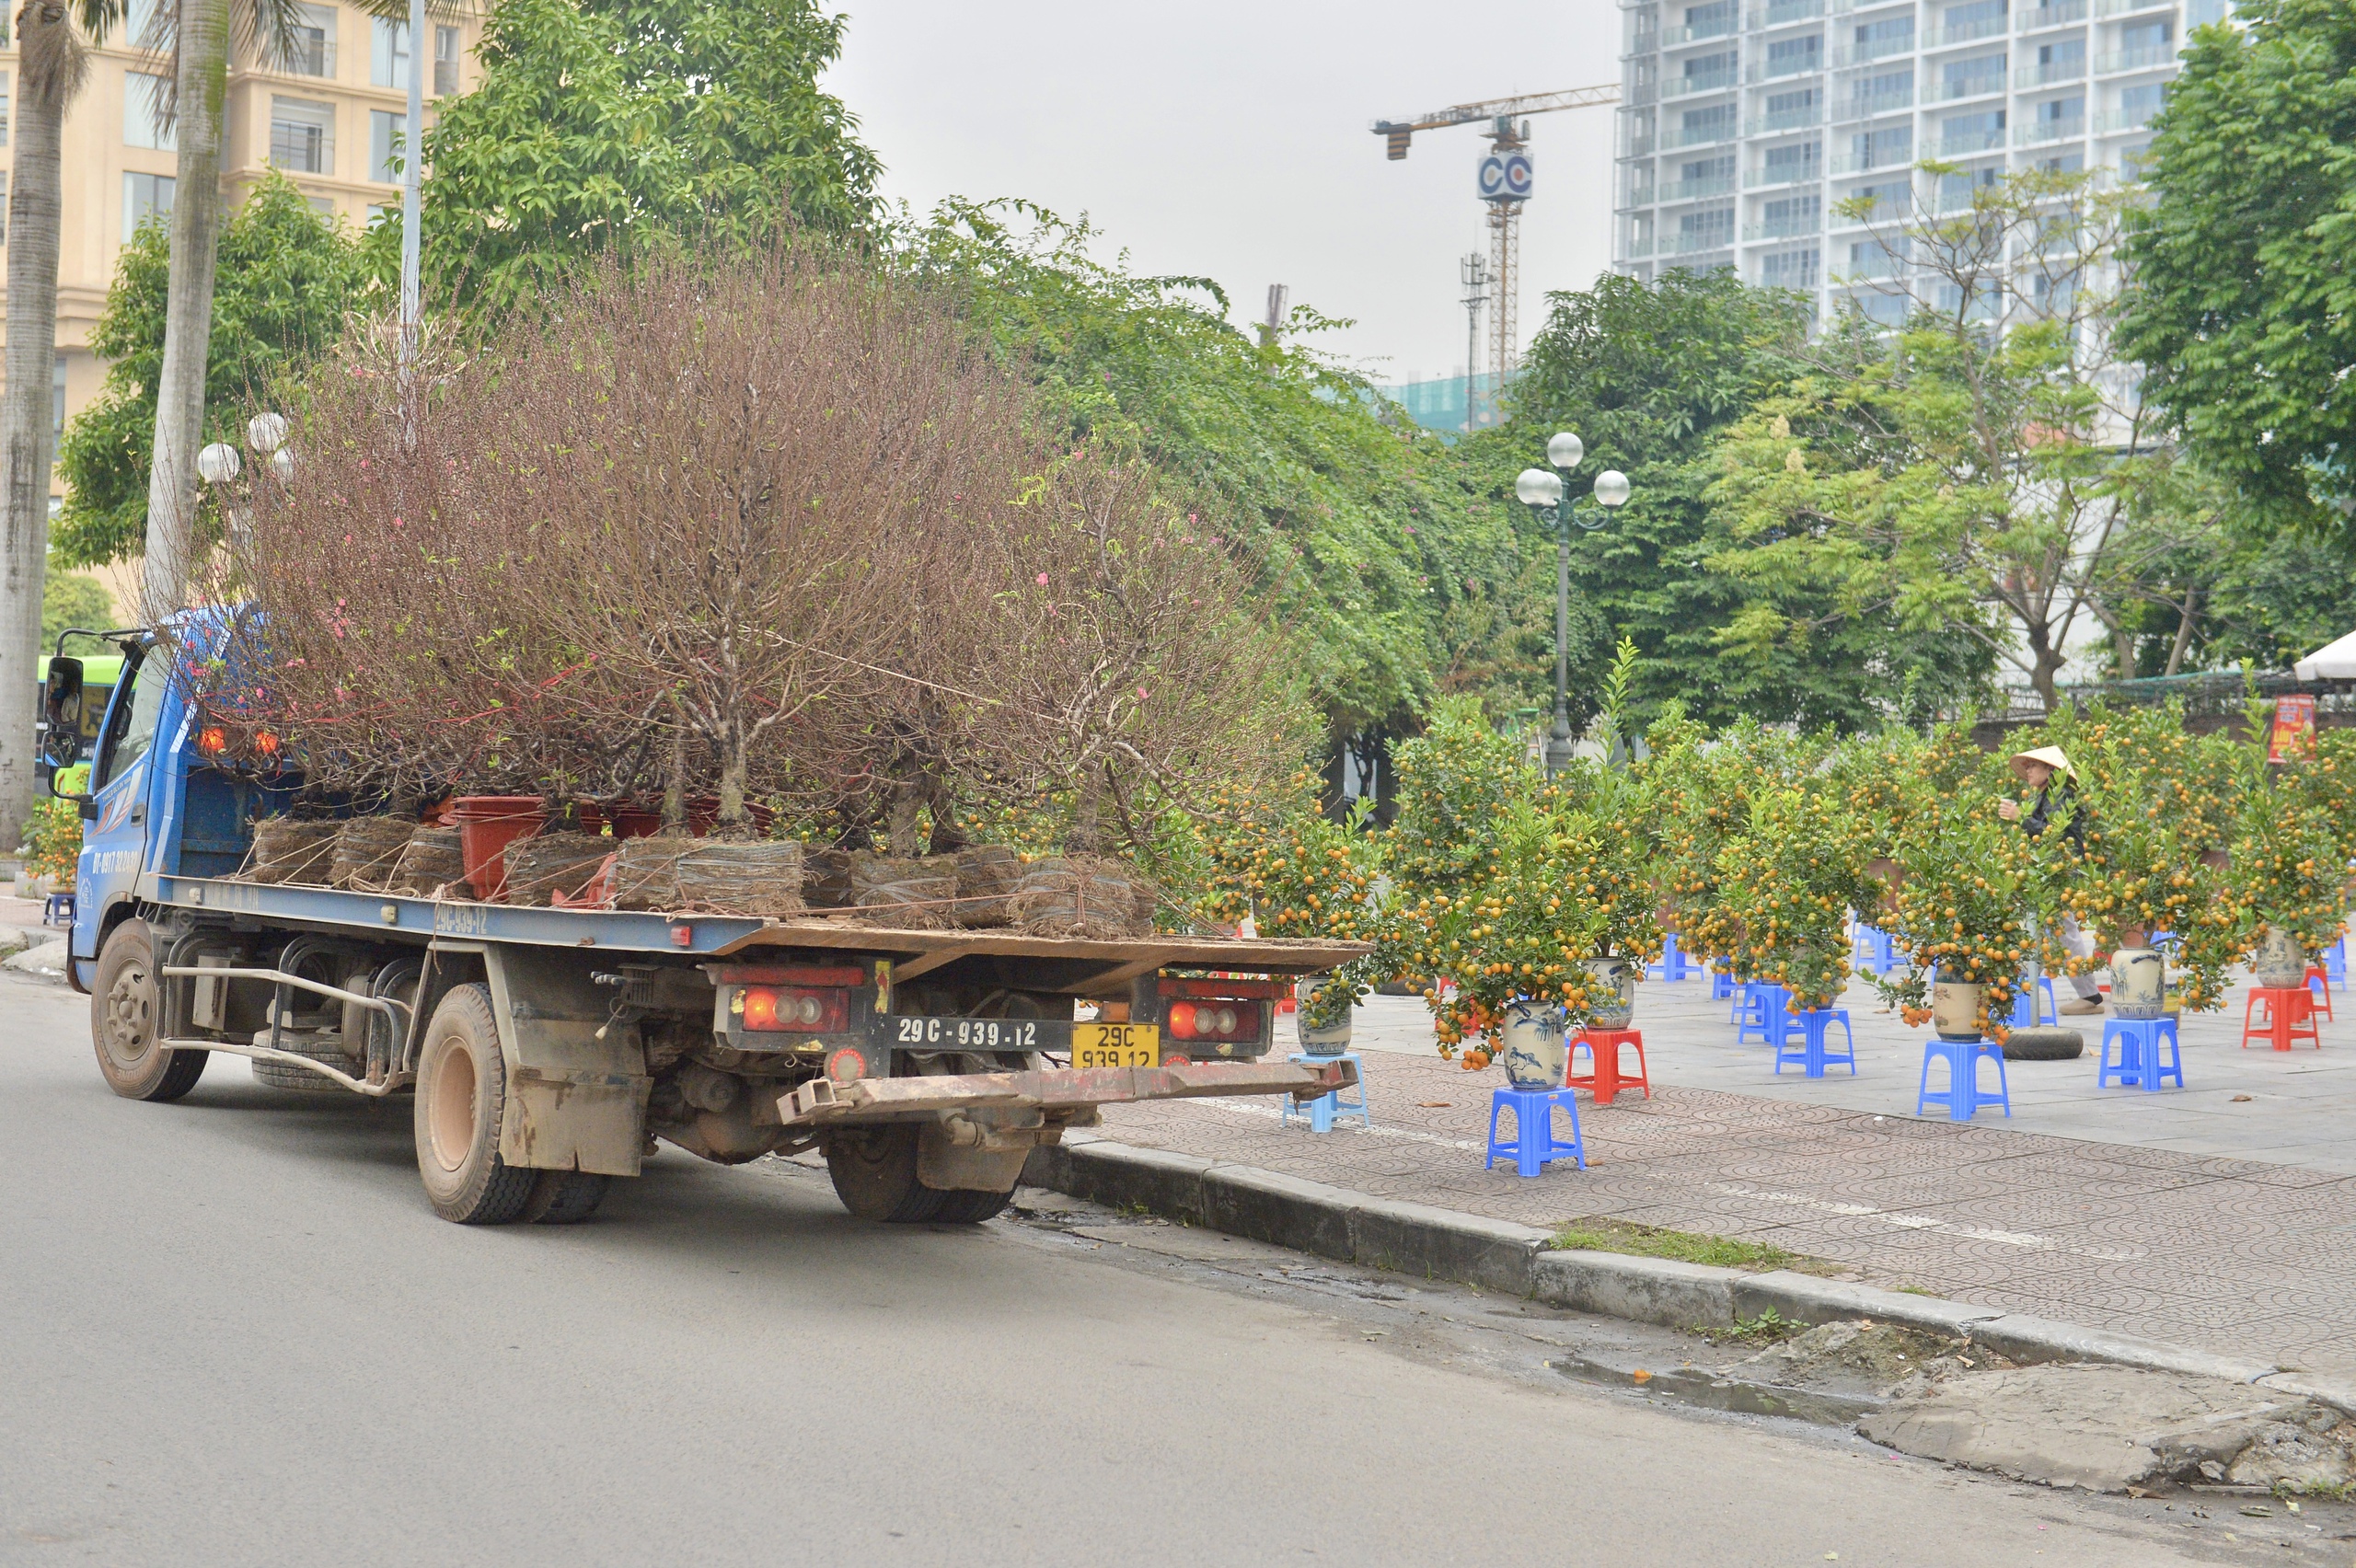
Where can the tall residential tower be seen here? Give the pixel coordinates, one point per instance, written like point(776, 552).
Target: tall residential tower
point(1744, 124)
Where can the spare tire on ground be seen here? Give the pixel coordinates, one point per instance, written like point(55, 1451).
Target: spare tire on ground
point(2044, 1045)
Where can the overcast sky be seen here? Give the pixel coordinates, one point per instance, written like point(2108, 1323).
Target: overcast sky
point(1229, 138)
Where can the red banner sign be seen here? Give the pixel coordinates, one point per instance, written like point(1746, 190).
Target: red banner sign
point(2294, 729)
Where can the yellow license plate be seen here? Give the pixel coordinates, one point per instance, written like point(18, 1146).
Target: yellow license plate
point(1115, 1046)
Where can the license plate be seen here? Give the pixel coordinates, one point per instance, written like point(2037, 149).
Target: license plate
point(1115, 1046)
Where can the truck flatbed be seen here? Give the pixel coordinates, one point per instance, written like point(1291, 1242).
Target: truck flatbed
point(1081, 966)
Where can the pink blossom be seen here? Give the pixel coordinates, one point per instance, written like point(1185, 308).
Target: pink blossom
point(1043, 580)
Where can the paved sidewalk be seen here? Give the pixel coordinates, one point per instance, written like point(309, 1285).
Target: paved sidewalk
point(2181, 1215)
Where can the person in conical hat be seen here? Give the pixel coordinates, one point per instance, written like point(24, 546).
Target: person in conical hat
point(2039, 768)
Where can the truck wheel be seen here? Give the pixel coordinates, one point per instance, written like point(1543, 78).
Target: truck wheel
point(971, 1208)
point(564, 1197)
point(874, 1171)
point(125, 1019)
point(301, 1080)
point(461, 1093)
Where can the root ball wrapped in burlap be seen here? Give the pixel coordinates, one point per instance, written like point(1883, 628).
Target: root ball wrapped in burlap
point(988, 875)
point(1082, 895)
point(826, 878)
point(431, 859)
point(286, 850)
point(908, 895)
point(550, 864)
point(759, 877)
point(366, 852)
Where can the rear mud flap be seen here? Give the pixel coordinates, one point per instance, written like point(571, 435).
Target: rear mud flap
point(559, 1121)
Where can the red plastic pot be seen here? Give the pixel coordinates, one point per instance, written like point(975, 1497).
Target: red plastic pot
point(635, 822)
point(487, 825)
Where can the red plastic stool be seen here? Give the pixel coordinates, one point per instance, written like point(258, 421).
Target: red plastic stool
point(1606, 1081)
point(2286, 1009)
point(2320, 982)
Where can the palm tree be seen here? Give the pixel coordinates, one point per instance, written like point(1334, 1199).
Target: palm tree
point(52, 59)
point(194, 35)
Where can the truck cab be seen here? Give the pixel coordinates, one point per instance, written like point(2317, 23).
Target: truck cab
point(153, 803)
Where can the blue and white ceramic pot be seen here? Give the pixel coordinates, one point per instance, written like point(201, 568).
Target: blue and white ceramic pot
point(1611, 993)
point(1535, 1053)
point(2139, 983)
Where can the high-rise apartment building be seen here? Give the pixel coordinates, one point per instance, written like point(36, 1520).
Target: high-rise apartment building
point(331, 115)
point(1746, 126)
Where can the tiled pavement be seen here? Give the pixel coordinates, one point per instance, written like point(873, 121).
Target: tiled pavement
point(2133, 1213)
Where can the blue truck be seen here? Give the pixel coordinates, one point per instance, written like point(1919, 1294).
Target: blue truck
point(548, 1049)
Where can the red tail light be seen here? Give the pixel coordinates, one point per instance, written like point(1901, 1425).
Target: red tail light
point(780, 1007)
point(1214, 1021)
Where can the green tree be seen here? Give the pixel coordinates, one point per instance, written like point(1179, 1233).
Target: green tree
point(1649, 376)
point(1969, 483)
point(287, 277)
point(1363, 559)
point(2245, 310)
point(70, 599)
point(598, 123)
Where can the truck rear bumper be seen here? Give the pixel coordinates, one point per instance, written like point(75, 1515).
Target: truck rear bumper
point(822, 1101)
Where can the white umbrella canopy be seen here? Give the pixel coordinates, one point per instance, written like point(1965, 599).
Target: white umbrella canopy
point(2335, 662)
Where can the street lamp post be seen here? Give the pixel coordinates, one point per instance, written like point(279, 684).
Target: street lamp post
point(1542, 491)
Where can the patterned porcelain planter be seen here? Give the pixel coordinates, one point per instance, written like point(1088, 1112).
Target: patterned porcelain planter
point(1955, 1009)
point(1535, 1053)
point(2139, 983)
point(1611, 992)
point(1330, 1041)
point(2281, 961)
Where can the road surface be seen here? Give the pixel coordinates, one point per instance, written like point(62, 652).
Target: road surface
point(232, 1333)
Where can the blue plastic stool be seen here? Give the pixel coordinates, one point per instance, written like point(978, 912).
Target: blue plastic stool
point(1722, 985)
point(1963, 1095)
point(2140, 1061)
point(1534, 1142)
point(1871, 951)
point(1321, 1111)
point(1815, 1047)
point(57, 909)
point(2335, 963)
point(1766, 1015)
point(1672, 965)
point(2026, 1014)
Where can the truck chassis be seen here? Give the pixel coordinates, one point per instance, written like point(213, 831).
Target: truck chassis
point(548, 1049)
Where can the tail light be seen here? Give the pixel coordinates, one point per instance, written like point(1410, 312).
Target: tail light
point(846, 1066)
point(1214, 1021)
point(773, 1008)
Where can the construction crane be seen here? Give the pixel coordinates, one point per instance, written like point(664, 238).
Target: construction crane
point(1504, 185)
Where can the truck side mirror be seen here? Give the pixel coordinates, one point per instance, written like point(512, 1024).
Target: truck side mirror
point(62, 707)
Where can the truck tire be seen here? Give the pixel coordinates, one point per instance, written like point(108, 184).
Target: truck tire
point(564, 1197)
point(874, 1172)
point(302, 1081)
point(126, 1018)
point(461, 1093)
point(971, 1208)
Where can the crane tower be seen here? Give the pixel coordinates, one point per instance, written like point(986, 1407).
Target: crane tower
point(1504, 185)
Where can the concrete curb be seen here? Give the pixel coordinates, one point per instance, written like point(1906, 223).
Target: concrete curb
point(1414, 1238)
